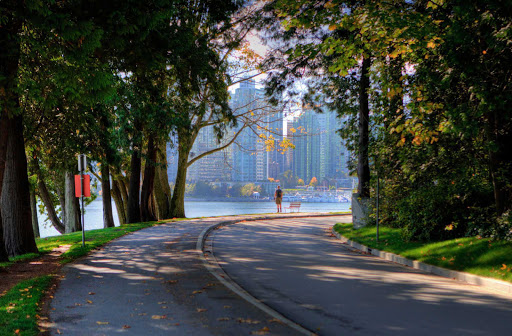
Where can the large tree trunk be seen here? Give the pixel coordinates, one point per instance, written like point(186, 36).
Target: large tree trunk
point(4, 131)
point(499, 132)
point(149, 180)
point(162, 190)
point(120, 204)
point(44, 194)
point(363, 166)
point(33, 208)
point(134, 189)
point(15, 200)
point(71, 220)
point(108, 219)
point(123, 188)
point(178, 196)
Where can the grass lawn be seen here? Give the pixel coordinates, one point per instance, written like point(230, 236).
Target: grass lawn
point(480, 256)
point(20, 305)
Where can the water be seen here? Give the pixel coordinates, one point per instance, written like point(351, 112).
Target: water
point(94, 211)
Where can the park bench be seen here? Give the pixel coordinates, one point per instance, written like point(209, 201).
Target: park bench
point(293, 205)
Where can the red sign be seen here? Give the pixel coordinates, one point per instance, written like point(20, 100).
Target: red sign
point(78, 186)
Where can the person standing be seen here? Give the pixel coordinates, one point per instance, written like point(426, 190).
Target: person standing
point(278, 197)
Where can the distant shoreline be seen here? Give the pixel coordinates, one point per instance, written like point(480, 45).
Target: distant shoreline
point(226, 199)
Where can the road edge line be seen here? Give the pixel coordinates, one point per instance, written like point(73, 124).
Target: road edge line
point(214, 268)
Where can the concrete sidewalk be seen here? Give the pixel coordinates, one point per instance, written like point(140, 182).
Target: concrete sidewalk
point(153, 282)
point(299, 269)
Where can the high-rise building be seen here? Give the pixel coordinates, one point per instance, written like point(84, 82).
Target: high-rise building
point(212, 167)
point(318, 149)
point(249, 152)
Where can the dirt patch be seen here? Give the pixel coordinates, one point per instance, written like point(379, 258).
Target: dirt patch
point(24, 270)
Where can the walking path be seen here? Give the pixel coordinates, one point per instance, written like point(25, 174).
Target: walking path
point(154, 282)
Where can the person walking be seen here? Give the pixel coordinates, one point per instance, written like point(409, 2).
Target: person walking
point(278, 197)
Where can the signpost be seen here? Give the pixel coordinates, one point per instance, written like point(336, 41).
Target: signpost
point(82, 188)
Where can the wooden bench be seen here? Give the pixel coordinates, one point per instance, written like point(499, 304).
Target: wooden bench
point(293, 205)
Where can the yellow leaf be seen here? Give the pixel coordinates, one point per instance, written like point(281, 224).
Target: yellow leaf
point(332, 27)
point(102, 323)
point(201, 310)
point(504, 267)
point(431, 44)
point(158, 317)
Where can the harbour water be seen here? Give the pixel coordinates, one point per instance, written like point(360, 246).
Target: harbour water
point(94, 211)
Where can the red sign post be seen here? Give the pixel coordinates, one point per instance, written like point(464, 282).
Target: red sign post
point(78, 186)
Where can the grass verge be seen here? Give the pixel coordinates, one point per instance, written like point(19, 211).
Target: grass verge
point(480, 256)
point(19, 307)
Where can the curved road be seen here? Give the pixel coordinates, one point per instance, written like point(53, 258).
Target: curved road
point(299, 269)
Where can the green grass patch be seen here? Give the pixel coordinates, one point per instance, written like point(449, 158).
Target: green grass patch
point(19, 307)
point(480, 256)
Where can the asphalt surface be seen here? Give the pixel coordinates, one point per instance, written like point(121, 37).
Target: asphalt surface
point(153, 282)
point(297, 267)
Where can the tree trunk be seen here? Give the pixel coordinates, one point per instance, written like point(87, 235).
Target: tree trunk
point(363, 166)
point(4, 131)
point(60, 188)
point(33, 208)
point(500, 159)
point(118, 199)
point(47, 200)
point(178, 196)
point(149, 180)
point(134, 188)
point(162, 190)
point(15, 200)
point(123, 187)
point(71, 221)
point(108, 219)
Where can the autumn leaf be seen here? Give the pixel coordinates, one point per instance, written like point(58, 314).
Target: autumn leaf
point(197, 292)
point(89, 301)
point(102, 323)
point(504, 267)
point(248, 321)
point(223, 319)
point(262, 331)
point(158, 317)
point(201, 310)
point(126, 326)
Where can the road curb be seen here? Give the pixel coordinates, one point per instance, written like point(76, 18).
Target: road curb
point(497, 285)
point(214, 268)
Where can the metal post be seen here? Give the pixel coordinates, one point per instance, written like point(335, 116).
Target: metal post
point(81, 166)
point(377, 207)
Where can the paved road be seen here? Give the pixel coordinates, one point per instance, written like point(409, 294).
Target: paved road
point(296, 267)
point(153, 282)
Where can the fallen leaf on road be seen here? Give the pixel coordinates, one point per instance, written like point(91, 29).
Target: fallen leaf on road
point(102, 323)
point(262, 331)
point(163, 302)
point(201, 310)
point(58, 332)
point(227, 307)
point(158, 317)
point(172, 282)
point(223, 319)
point(126, 326)
point(274, 320)
point(91, 293)
point(248, 321)
point(197, 292)
point(89, 301)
